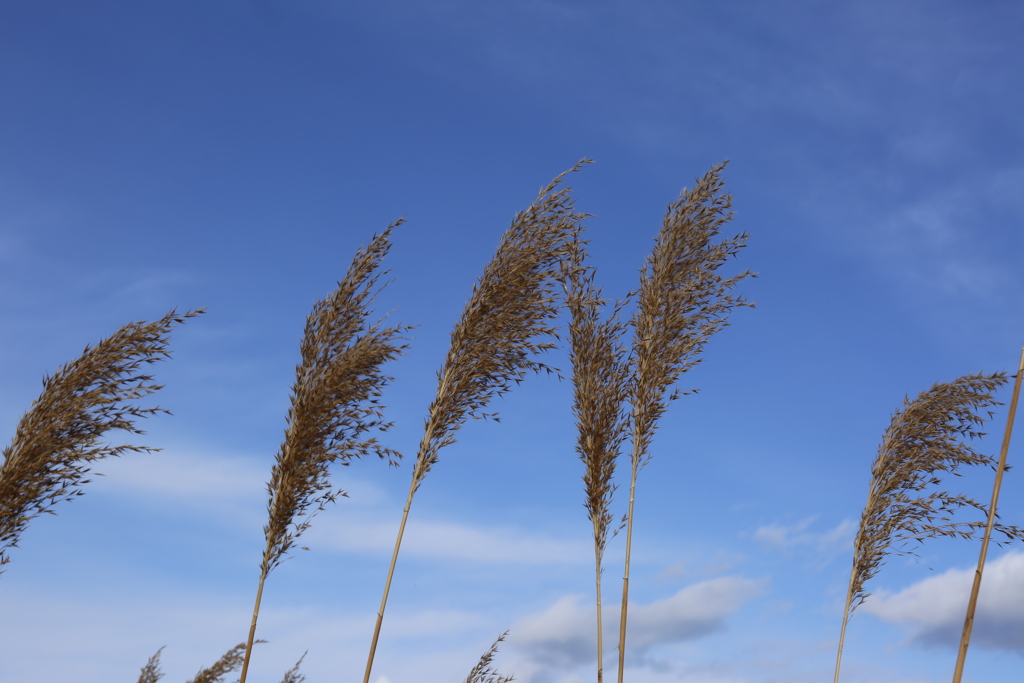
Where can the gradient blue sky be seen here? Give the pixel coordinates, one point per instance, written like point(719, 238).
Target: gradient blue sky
point(234, 155)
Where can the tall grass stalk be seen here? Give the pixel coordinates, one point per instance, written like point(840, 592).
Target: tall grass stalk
point(493, 345)
point(333, 405)
point(58, 439)
point(965, 638)
point(681, 304)
point(600, 387)
point(924, 440)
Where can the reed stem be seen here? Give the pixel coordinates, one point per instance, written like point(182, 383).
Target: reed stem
point(387, 584)
point(846, 619)
point(252, 628)
point(625, 576)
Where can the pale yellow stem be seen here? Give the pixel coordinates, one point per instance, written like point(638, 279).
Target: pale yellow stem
point(625, 576)
point(391, 573)
point(252, 627)
point(846, 618)
point(600, 627)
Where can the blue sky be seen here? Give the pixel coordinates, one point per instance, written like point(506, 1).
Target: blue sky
point(234, 155)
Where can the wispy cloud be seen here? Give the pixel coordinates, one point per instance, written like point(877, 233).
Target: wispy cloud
point(184, 476)
point(826, 545)
point(442, 540)
point(561, 638)
point(944, 240)
point(934, 609)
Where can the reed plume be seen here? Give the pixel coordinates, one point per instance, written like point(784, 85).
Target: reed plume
point(151, 673)
point(924, 440)
point(292, 675)
point(493, 344)
point(58, 439)
point(228, 662)
point(965, 636)
point(681, 304)
point(334, 402)
point(600, 388)
point(483, 672)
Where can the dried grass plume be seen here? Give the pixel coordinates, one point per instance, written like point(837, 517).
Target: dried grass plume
point(493, 346)
point(334, 403)
point(924, 441)
point(59, 438)
point(682, 302)
point(483, 672)
point(600, 374)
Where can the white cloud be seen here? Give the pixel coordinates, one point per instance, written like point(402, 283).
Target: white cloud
point(934, 609)
point(826, 544)
point(447, 540)
point(196, 478)
point(109, 637)
point(183, 476)
point(366, 521)
point(562, 637)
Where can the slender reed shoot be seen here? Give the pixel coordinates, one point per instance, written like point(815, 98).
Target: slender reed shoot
point(600, 388)
point(493, 345)
point(681, 304)
point(334, 403)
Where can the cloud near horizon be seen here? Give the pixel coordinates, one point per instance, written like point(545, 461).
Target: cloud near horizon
point(562, 637)
point(934, 609)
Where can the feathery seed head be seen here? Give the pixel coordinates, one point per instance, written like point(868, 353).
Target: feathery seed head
point(483, 672)
point(512, 305)
point(58, 438)
point(924, 439)
point(682, 302)
point(229, 661)
point(600, 386)
point(334, 400)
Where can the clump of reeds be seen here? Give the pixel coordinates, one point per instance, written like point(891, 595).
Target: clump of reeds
point(483, 672)
point(493, 345)
point(58, 439)
point(228, 662)
point(600, 387)
point(681, 303)
point(333, 405)
point(924, 440)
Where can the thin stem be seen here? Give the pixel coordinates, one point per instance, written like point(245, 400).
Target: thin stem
point(417, 477)
point(625, 576)
point(387, 584)
point(263, 571)
point(976, 587)
point(600, 626)
point(252, 627)
point(846, 618)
